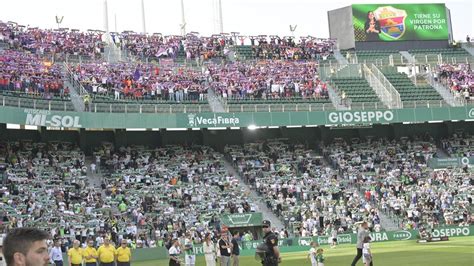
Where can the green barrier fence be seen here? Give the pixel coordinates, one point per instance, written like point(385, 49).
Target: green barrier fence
point(208, 120)
point(436, 163)
point(302, 244)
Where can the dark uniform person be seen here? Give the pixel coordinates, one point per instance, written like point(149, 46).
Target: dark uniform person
point(272, 256)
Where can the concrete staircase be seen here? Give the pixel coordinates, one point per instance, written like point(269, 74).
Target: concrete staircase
point(217, 106)
point(74, 90)
point(112, 53)
point(262, 207)
point(468, 47)
point(408, 57)
point(340, 58)
point(442, 90)
point(336, 99)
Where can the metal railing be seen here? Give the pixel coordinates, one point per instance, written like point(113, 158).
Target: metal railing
point(389, 95)
point(279, 107)
point(423, 104)
point(440, 59)
point(75, 82)
point(148, 108)
point(37, 104)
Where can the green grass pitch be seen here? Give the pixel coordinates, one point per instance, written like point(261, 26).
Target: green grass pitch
point(455, 252)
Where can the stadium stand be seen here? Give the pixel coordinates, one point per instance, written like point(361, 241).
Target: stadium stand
point(379, 57)
point(458, 78)
point(300, 188)
point(61, 41)
point(409, 92)
point(149, 196)
point(357, 90)
point(448, 55)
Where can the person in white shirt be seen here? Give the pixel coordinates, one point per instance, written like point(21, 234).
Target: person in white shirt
point(366, 253)
point(312, 253)
point(209, 249)
point(56, 254)
point(174, 253)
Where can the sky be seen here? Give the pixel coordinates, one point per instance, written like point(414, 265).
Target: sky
point(248, 17)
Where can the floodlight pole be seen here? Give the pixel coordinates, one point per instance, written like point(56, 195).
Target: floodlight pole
point(221, 23)
point(106, 17)
point(183, 20)
point(143, 17)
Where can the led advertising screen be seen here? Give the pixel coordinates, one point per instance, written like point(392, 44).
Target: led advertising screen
point(399, 22)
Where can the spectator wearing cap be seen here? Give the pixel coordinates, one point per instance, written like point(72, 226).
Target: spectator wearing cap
point(272, 258)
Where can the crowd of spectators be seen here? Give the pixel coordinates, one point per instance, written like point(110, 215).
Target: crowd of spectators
point(26, 74)
point(141, 81)
point(394, 176)
point(53, 42)
point(459, 78)
point(306, 48)
point(158, 46)
point(267, 79)
point(149, 196)
point(301, 189)
point(459, 145)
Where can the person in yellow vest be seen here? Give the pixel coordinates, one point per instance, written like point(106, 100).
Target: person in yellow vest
point(106, 253)
point(124, 255)
point(75, 254)
point(90, 254)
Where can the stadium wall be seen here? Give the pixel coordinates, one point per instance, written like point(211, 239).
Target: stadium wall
point(341, 28)
point(89, 139)
point(401, 46)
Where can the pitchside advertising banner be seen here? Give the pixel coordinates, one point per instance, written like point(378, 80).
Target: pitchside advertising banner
point(242, 220)
point(399, 22)
point(437, 163)
point(304, 242)
point(44, 118)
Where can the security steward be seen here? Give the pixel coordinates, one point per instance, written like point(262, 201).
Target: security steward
point(124, 256)
point(272, 256)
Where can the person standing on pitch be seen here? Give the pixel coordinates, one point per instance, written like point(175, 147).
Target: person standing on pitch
point(235, 249)
point(56, 254)
point(106, 253)
point(124, 255)
point(75, 254)
point(90, 254)
point(209, 249)
point(361, 235)
point(272, 258)
point(367, 254)
point(312, 253)
point(190, 256)
point(225, 248)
